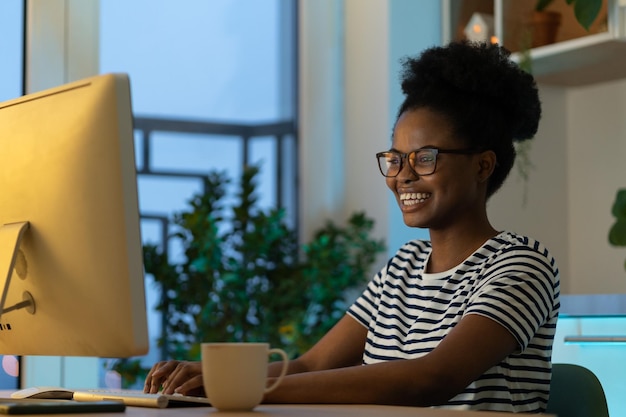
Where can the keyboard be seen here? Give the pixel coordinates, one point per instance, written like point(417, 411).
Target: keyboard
point(141, 399)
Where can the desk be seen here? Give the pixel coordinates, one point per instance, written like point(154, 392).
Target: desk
point(295, 411)
point(286, 410)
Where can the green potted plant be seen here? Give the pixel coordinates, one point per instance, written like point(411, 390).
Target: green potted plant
point(544, 23)
point(586, 11)
point(245, 278)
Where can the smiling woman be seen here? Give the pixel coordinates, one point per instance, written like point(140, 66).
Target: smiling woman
point(466, 319)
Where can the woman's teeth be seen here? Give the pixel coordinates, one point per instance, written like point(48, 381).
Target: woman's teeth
point(409, 199)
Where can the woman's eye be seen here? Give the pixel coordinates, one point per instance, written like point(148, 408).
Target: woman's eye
point(393, 160)
point(425, 158)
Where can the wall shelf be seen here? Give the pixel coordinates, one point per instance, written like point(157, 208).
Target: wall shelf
point(575, 61)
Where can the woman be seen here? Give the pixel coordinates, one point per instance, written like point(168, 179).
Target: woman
point(467, 319)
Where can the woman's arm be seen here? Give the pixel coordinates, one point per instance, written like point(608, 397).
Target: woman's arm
point(329, 372)
point(342, 346)
point(476, 344)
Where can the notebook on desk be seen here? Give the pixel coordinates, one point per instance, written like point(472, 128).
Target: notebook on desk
point(43, 406)
point(128, 397)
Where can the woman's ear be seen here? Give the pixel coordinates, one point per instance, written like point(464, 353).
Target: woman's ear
point(486, 164)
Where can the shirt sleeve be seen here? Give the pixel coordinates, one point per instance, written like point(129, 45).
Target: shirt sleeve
point(365, 307)
point(519, 291)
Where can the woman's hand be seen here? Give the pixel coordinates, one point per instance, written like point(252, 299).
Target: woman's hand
point(179, 377)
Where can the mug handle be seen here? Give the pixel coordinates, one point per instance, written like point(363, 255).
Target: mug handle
point(283, 372)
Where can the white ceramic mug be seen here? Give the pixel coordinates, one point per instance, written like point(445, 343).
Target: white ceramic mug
point(235, 374)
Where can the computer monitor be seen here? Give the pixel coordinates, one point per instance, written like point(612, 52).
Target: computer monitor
point(71, 267)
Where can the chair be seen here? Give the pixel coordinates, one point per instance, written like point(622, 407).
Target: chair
point(575, 391)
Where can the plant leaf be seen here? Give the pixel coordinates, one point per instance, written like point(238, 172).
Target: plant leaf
point(619, 206)
point(587, 11)
point(617, 234)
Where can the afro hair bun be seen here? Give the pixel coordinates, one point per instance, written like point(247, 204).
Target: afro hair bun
point(475, 75)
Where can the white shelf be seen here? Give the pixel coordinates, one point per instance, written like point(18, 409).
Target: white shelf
point(582, 61)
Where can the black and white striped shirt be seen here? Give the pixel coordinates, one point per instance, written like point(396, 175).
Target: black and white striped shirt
point(511, 279)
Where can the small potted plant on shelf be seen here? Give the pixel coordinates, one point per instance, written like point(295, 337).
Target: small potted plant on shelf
point(545, 23)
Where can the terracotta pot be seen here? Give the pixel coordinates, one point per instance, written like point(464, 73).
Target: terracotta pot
point(544, 26)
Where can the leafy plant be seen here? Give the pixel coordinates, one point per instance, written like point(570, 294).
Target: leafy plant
point(231, 265)
point(617, 233)
point(586, 11)
point(337, 259)
point(245, 278)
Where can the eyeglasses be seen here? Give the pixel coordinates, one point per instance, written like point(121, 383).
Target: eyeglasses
point(422, 161)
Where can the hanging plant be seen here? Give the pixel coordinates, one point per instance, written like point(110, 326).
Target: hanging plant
point(617, 233)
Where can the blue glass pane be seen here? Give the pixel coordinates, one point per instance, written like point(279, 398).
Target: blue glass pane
point(194, 58)
point(11, 46)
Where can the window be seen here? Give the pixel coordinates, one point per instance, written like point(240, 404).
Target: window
point(223, 74)
point(11, 48)
point(11, 76)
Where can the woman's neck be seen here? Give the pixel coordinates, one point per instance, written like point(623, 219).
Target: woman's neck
point(450, 247)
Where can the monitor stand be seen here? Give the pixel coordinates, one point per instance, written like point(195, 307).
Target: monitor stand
point(10, 238)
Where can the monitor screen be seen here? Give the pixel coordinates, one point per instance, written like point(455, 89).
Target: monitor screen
point(71, 267)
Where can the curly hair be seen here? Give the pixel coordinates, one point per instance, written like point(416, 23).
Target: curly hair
point(489, 100)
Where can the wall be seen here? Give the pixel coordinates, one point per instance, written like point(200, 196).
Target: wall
point(349, 96)
point(578, 165)
point(367, 27)
point(538, 207)
point(597, 168)
point(62, 44)
point(321, 148)
point(416, 26)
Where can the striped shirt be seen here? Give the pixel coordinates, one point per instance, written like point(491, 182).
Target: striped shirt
point(511, 279)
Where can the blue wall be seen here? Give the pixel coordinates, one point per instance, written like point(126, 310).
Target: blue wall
point(415, 26)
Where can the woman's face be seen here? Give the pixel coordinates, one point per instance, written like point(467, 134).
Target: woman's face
point(454, 192)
